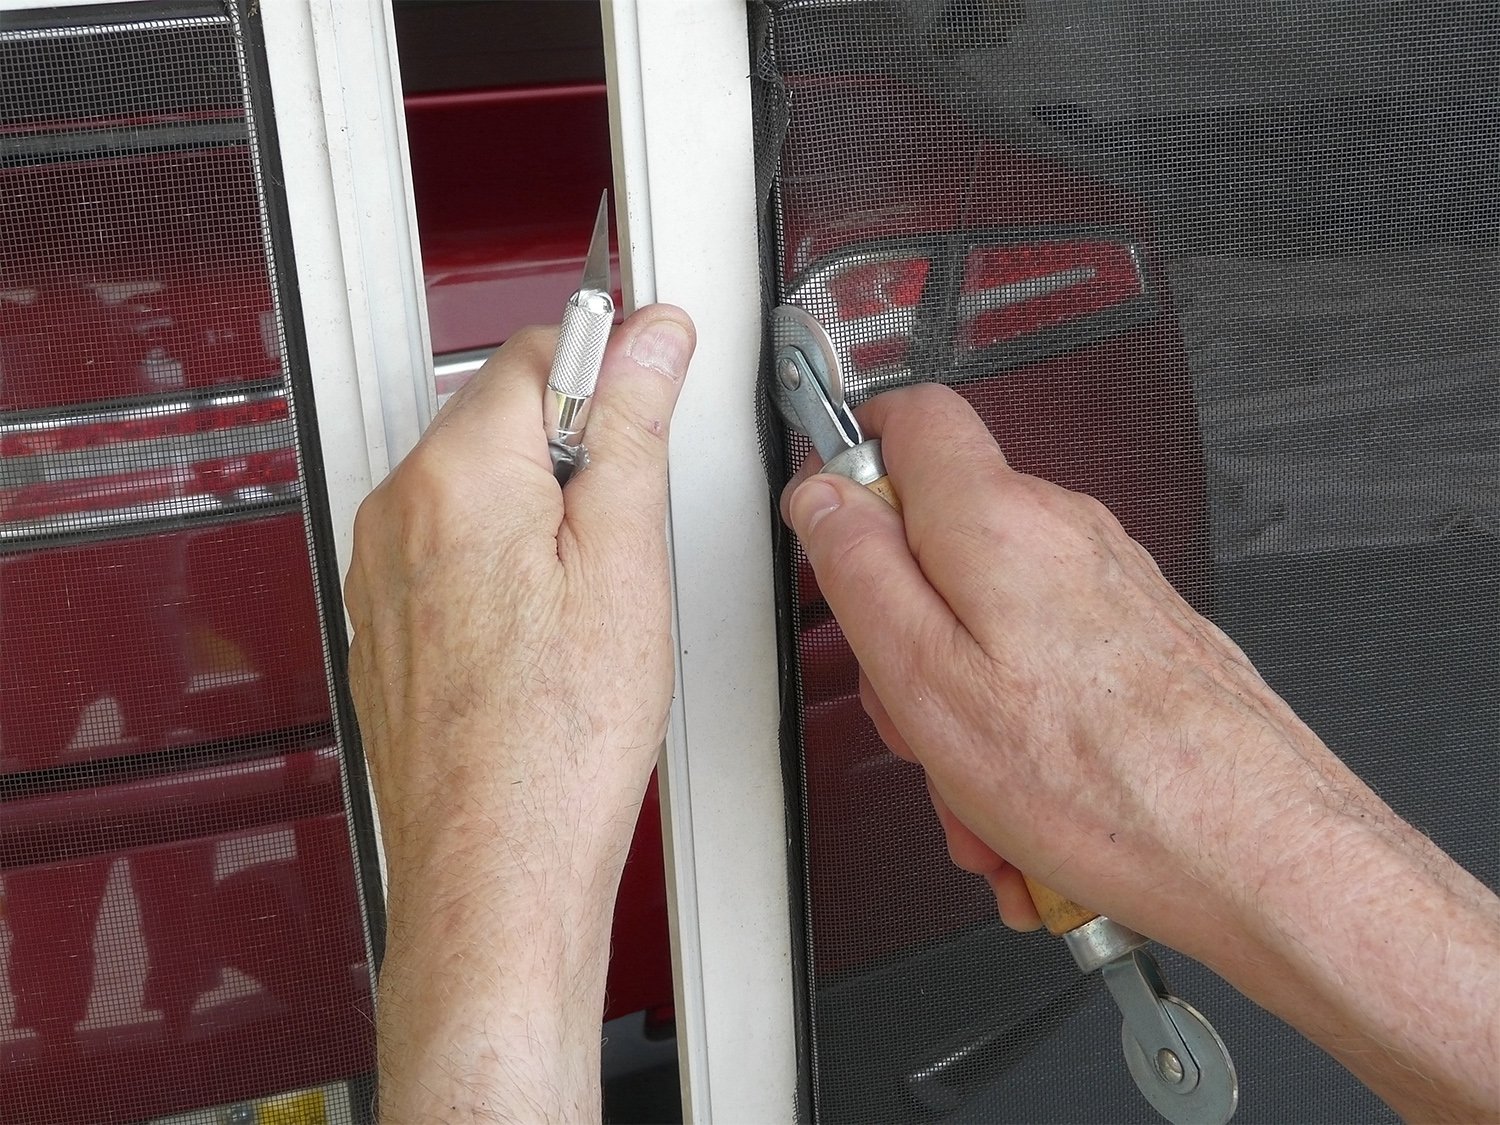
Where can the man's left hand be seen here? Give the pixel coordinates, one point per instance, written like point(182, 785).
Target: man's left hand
point(512, 667)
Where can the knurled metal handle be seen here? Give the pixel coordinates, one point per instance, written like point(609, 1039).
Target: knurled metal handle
point(586, 321)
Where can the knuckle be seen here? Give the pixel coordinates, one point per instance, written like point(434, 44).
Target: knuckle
point(371, 516)
point(409, 509)
point(1094, 515)
point(963, 856)
point(631, 425)
point(1045, 502)
point(355, 601)
point(533, 342)
point(934, 406)
point(413, 485)
point(1091, 508)
point(929, 397)
point(843, 562)
point(995, 478)
point(369, 527)
point(907, 409)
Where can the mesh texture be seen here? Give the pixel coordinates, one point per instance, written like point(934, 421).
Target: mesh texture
point(181, 925)
point(1229, 268)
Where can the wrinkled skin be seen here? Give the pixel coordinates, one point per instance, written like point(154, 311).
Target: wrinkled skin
point(560, 612)
point(1078, 721)
point(1067, 704)
point(512, 669)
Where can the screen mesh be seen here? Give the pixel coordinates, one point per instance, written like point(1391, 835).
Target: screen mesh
point(184, 933)
point(1230, 268)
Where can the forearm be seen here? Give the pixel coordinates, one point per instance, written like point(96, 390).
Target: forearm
point(1077, 720)
point(490, 997)
point(1375, 945)
point(511, 663)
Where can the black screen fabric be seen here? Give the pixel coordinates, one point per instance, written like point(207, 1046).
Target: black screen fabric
point(188, 912)
point(1229, 267)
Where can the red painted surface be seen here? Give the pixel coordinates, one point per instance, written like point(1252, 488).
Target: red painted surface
point(179, 923)
point(114, 284)
point(139, 645)
point(931, 173)
point(177, 902)
point(640, 964)
point(188, 938)
point(181, 942)
point(507, 183)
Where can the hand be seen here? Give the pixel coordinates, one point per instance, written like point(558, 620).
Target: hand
point(512, 667)
point(1077, 718)
point(1073, 714)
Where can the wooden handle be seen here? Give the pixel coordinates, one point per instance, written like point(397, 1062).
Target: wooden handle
point(1060, 915)
point(886, 491)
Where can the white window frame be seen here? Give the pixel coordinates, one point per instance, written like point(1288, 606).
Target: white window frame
point(679, 92)
point(336, 91)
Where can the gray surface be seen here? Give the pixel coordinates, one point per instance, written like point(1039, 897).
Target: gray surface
point(1346, 401)
point(1322, 178)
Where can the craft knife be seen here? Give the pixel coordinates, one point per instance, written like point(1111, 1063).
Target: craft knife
point(586, 323)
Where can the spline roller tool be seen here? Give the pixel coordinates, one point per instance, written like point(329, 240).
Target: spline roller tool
point(1175, 1056)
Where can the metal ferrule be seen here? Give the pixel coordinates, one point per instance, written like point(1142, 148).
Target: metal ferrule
point(565, 416)
point(1096, 943)
point(567, 460)
point(861, 463)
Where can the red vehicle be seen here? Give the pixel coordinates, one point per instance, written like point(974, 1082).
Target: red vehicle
point(181, 916)
point(181, 913)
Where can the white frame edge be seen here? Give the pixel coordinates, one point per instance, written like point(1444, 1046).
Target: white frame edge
point(680, 120)
point(342, 133)
point(340, 121)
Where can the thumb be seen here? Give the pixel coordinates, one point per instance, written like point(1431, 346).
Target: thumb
point(896, 623)
point(624, 488)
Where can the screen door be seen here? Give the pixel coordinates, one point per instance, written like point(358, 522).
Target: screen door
point(190, 908)
point(1230, 268)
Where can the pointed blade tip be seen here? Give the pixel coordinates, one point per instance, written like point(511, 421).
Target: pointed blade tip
point(596, 265)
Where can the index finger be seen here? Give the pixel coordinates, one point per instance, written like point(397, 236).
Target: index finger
point(906, 420)
point(499, 410)
point(956, 491)
point(491, 434)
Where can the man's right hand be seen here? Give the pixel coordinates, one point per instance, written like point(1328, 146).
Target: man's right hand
point(1073, 714)
point(1077, 718)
